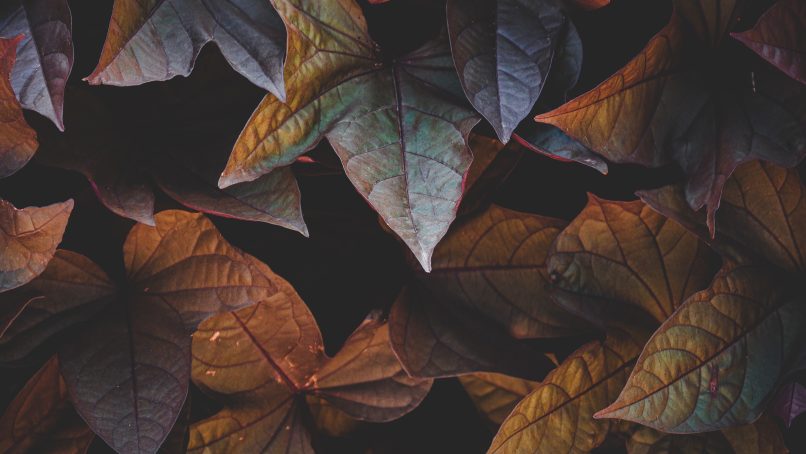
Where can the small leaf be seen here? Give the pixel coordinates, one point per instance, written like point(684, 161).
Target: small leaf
point(29, 238)
point(715, 362)
point(40, 418)
point(17, 140)
point(778, 37)
point(495, 395)
point(157, 40)
point(45, 56)
point(503, 50)
point(761, 437)
point(789, 402)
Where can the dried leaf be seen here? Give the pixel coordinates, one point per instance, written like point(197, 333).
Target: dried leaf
point(495, 395)
point(17, 140)
point(28, 238)
point(157, 40)
point(716, 361)
point(45, 54)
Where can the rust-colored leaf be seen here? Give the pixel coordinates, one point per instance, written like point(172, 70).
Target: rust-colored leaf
point(17, 140)
point(495, 395)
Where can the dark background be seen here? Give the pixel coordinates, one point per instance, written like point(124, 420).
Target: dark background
point(349, 265)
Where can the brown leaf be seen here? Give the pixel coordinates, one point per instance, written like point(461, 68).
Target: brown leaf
point(40, 418)
point(17, 140)
point(328, 419)
point(495, 395)
point(28, 238)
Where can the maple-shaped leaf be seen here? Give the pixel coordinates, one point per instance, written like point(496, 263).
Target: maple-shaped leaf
point(157, 40)
point(789, 402)
point(41, 419)
point(261, 362)
point(495, 263)
point(128, 371)
point(70, 290)
point(617, 253)
point(503, 50)
point(28, 238)
point(436, 337)
point(45, 53)
point(495, 395)
point(716, 361)
point(400, 129)
point(693, 98)
point(779, 37)
point(17, 140)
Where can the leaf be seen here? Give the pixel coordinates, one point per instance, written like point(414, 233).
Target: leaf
point(128, 372)
point(495, 263)
point(40, 418)
point(28, 238)
point(789, 402)
point(503, 50)
point(552, 142)
point(617, 253)
point(778, 38)
point(261, 362)
point(17, 140)
point(715, 362)
point(649, 441)
point(558, 415)
point(70, 290)
point(328, 419)
point(400, 129)
point(761, 437)
point(157, 40)
point(495, 395)
point(437, 338)
point(687, 99)
point(45, 54)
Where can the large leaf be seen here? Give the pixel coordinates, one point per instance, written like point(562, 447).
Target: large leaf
point(503, 50)
point(28, 238)
point(262, 361)
point(159, 39)
point(400, 129)
point(70, 290)
point(17, 140)
point(45, 54)
point(128, 371)
point(779, 37)
point(716, 361)
point(495, 263)
point(558, 415)
point(40, 418)
point(624, 252)
point(495, 395)
point(687, 98)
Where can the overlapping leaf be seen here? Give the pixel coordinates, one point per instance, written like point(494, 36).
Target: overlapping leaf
point(649, 441)
point(400, 130)
point(17, 140)
point(262, 361)
point(761, 437)
point(495, 395)
point(687, 98)
point(128, 371)
point(28, 239)
point(157, 39)
point(40, 418)
point(552, 142)
point(716, 361)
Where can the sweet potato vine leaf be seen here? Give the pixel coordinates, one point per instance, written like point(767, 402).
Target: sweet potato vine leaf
point(779, 37)
point(400, 129)
point(17, 140)
point(262, 361)
point(45, 54)
point(614, 253)
point(159, 39)
point(28, 239)
point(41, 419)
point(70, 290)
point(716, 361)
point(503, 50)
point(692, 98)
point(128, 371)
point(495, 395)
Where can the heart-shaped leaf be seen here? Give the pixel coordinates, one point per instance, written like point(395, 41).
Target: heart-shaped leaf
point(495, 395)
point(778, 37)
point(29, 238)
point(17, 140)
point(45, 54)
point(159, 39)
point(503, 50)
point(687, 98)
point(716, 361)
point(41, 419)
